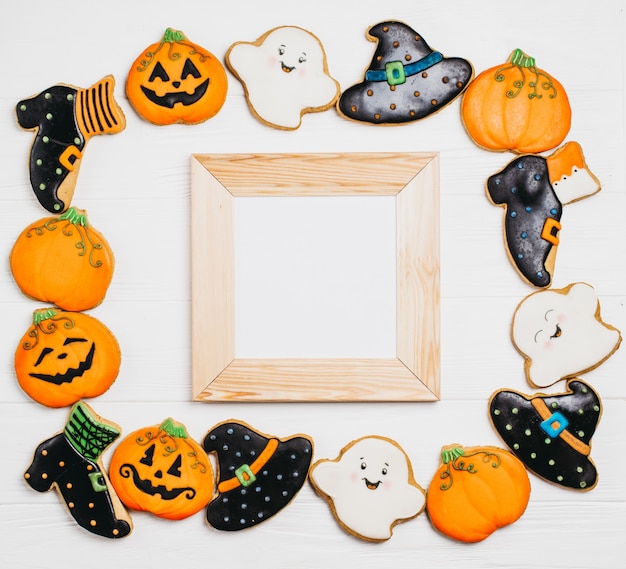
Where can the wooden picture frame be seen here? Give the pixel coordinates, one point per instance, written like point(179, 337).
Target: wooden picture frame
point(217, 180)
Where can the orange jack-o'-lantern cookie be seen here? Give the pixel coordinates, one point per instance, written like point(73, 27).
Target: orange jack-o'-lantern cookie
point(516, 106)
point(162, 470)
point(475, 491)
point(66, 356)
point(64, 261)
point(176, 81)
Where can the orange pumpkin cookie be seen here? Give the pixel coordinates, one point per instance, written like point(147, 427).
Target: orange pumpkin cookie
point(162, 470)
point(475, 491)
point(64, 261)
point(66, 356)
point(176, 81)
point(516, 106)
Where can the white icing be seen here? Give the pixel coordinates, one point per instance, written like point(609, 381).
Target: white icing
point(562, 335)
point(581, 183)
point(285, 75)
point(392, 495)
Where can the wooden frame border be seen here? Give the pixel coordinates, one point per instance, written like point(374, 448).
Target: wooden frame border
point(217, 180)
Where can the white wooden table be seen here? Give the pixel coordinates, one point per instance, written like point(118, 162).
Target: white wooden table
point(135, 187)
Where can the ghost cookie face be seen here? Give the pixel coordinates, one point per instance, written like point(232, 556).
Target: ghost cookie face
point(533, 190)
point(370, 487)
point(258, 474)
point(551, 434)
point(561, 334)
point(285, 75)
point(64, 118)
point(406, 80)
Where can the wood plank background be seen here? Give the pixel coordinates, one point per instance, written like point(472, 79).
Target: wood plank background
point(135, 188)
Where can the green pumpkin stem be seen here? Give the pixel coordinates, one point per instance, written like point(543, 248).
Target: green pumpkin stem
point(43, 314)
point(173, 36)
point(519, 58)
point(451, 453)
point(174, 429)
point(75, 217)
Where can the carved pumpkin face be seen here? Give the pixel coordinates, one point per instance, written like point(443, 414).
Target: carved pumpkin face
point(176, 81)
point(161, 470)
point(65, 357)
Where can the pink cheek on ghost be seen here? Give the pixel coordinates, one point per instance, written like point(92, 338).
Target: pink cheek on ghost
point(354, 477)
point(302, 72)
point(386, 485)
point(272, 61)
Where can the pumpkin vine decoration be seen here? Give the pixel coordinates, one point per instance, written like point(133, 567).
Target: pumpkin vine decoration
point(521, 62)
point(63, 261)
point(76, 220)
point(450, 457)
point(170, 39)
point(46, 322)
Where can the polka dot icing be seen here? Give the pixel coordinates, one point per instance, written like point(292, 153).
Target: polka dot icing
point(549, 434)
point(258, 474)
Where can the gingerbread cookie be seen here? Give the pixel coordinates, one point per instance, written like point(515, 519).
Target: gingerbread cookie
point(406, 79)
point(66, 356)
point(65, 118)
point(162, 470)
point(176, 81)
point(551, 434)
point(285, 75)
point(476, 491)
point(533, 191)
point(64, 261)
point(258, 475)
point(369, 487)
point(71, 463)
point(561, 334)
point(516, 106)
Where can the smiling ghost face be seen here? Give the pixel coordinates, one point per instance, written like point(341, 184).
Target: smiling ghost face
point(560, 334)
point(370, 486)
point(285, 75)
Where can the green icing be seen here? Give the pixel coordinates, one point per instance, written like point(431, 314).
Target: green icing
point(174, 429)
point(524, 64)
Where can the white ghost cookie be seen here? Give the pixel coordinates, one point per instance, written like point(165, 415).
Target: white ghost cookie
point(285, 75)
point(370, 487)
point(560, 334)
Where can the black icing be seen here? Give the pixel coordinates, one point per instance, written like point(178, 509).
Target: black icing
point(81, 484)
point(276, 484)
point(524, 188)
point(550, 457)
point(52, 114)
point(422, 93)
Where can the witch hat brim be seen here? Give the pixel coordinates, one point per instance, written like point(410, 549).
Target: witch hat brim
point(551, 434)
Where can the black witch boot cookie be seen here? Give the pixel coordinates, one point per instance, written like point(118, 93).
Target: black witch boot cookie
point(65, 118)
point(533, 191)
point(70, 461)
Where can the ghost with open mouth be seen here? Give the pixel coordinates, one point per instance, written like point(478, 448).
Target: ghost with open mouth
point(285, 75)
point(370, 487)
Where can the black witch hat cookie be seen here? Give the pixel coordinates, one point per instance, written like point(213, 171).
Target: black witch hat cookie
point(533, 190)
point(551, 434)
point(258, 475)
point(70, 461)
point(406, 79)
point(65, 118)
